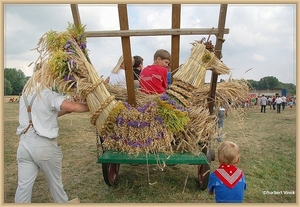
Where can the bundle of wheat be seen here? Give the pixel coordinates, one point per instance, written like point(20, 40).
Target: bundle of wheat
point(198, 132)
point(66, 66)
point(233, 91)
point(194, 69)
point(146, 128)
point(203, 127)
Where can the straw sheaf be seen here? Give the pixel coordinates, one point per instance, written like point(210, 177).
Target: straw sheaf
point(182, 91)
point(200, 129)
point(179, 97)
point(233, 90)
point(88, 84)
point(182, 84)
point(195, 65)
point(122, 137)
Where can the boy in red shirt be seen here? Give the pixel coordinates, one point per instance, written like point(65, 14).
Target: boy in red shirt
point(153, 78)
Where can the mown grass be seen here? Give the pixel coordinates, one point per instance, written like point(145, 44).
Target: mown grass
point(267, 143)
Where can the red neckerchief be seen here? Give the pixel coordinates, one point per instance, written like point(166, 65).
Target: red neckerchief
point(229, 174)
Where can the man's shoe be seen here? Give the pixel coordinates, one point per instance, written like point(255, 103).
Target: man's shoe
point(75, 200)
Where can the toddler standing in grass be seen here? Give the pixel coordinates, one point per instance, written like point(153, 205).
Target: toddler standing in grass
point(227, 182)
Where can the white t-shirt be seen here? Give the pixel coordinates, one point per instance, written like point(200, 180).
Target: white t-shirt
point(278, 100)
point(263, 100)
point(44, 113)
point(118, 79)
point(283, 99)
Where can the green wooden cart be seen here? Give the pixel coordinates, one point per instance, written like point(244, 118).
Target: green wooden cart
point(111, 161)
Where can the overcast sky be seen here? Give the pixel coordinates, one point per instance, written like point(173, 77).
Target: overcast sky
point(261, 37)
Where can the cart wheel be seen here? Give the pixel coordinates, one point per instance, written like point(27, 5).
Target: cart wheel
point(203, 175)
point(110, 173)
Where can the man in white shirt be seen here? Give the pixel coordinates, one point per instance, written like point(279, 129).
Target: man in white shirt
point(263, 102)
point(283, 102)
point(278, 103)
point(38, 129)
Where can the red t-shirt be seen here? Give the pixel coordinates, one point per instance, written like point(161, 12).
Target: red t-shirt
point(153, 79)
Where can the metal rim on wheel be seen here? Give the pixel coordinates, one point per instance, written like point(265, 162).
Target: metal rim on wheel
point(203, 175)
point(110, 173)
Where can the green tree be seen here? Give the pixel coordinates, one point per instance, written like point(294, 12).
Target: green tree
point(16, 78)
point(7, 87)
point(269, 82)
point(290, 88)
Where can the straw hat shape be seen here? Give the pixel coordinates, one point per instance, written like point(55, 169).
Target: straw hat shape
point(117, 67)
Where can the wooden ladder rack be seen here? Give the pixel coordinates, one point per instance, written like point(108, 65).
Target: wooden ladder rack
point(175, 32)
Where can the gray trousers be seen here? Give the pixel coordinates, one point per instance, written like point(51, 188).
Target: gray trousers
point(36, 152)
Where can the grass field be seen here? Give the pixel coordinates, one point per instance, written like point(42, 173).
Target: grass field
point(268, 159)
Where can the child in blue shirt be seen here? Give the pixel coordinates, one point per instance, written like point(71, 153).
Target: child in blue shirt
point(227, 182)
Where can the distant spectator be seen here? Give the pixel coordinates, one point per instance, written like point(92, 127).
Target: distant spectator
point(278, 102)
point(291, 104)
point(263, 102)
point(283, 102)
point(270, 100)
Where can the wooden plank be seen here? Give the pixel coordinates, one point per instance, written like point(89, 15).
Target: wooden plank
point(175, 44)
point(123, 20)
point(75, 14)
point(154, 32)
point(218, 49)
point(110, 156)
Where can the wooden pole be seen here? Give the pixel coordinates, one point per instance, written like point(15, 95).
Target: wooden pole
point(123, 19)
point(218, 49)
point(175, 38)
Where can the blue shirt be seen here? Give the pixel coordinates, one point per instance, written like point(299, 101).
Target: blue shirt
point(169, 78)
point(223, 194)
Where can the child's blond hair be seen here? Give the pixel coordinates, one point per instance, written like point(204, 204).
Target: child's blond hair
point(228, 153)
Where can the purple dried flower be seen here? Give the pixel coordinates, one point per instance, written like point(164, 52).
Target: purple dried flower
point(159, 119)
point(141, 109)
point(164, 97)
point(144, 124)
point(82, 45)
point(119, 121)
point(70, 50)
point(172, 102)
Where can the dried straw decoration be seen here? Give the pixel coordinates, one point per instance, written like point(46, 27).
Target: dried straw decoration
point(175, 121)
point(147, 128)
point(66, 66)
point(194, 69)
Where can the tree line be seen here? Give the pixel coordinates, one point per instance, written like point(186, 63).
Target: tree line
point(14, 81)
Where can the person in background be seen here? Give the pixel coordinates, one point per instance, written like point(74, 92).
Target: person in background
point(247, 103)
point(283, 102)
point(263, 103)
point(222, 113)
point(291, 104)
point(270, 100)
point(153, 78)
point(137, 68)
point(38, 129)
point(228, 182)
point(278, 102)
point(274, 102)
point(117, 76)
point(258, 102)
